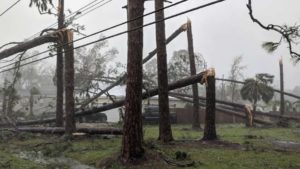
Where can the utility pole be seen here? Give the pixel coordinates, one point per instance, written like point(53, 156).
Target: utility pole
point(59, 68)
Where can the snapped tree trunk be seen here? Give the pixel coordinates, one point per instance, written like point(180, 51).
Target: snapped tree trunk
point(181, 29)
point(196, 107)
point(132, 148)
point(165, 132)
point(51, 37)
point(210, 113)
point(70, 125)
point(153, 92)
point(59, 69)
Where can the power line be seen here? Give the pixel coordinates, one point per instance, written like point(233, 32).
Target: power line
point(83, 10)
point(94, 9)
point(101, 31)
point(124, 32)
point(10, 8)
point(87, 6)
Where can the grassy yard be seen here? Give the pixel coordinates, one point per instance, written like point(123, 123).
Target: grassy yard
point(239, 148)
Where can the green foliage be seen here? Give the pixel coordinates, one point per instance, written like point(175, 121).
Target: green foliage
point(93, 64)
point(258, 89)
point(270, 46)
point(42, 5)
point(178, 68)
point(34, 91)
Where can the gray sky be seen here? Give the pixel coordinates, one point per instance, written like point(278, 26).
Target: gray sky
point(221, 32)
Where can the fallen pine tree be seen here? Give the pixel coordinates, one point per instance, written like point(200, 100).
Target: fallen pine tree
point(150, 93)
point(226, 111)
point(61, 130)
point(239, 107)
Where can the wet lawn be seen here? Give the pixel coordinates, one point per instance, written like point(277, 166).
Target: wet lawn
point(238, 148)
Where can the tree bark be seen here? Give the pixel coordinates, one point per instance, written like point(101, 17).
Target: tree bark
point(210, 115)
point(70, 125)
point(132, 148)
point(60, 69)
point(165, 132)
point(196, 121)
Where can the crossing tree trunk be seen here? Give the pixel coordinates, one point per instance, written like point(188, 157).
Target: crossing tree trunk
point(132, 148)
point(70, 126)
point(59, 70)
point(196, 121)
point(210, 113)
point(165, 132)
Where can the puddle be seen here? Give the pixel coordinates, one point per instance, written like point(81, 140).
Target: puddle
point(38, 157)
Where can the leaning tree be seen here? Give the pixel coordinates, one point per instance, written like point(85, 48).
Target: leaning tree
point(256, 89)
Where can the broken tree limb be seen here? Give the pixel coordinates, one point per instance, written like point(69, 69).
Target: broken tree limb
point(172, 86)
point(145, 60)
point(85, 103)
point(51, 37)
point(237, 106)
point(61, 130)
point(181, 29)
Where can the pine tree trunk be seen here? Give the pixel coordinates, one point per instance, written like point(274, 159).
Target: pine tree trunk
point(59, 70)
point(165, 132)
point(196, 107)
point(4, 101)
point(70, 125)
point(133, 128)
point(31, 99)
point(282, 106)
point(210, 114)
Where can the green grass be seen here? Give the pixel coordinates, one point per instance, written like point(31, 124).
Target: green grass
point(10, 161)
point(256, 150)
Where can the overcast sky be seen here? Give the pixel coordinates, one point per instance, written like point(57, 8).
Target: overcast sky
point(221, 32)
